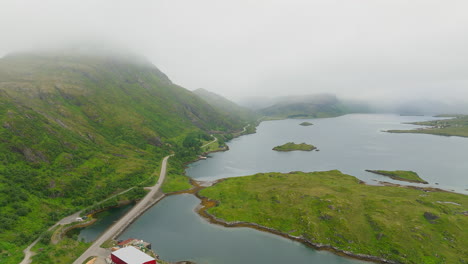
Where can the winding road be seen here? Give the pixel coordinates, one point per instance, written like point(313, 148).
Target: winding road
point(65, 221)
point(211, 142)
point(151, 197)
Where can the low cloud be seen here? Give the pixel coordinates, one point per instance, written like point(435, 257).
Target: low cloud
point(363, 49)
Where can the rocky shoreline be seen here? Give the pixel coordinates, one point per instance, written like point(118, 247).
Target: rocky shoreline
point(206, 203)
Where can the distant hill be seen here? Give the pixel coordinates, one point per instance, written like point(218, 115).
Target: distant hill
point(312, 106)
point(75, 128)
point(406, 106)
point(231, 110)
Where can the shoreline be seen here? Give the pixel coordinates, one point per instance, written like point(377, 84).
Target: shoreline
point(94, 219)
point(396, 177)
point(205, 204)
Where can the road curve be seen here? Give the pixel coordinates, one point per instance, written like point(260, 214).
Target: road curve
point(28, 254)
point(151, 197)
point(211, 142)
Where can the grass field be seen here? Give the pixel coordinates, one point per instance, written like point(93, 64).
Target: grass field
point(409, 176)
point(210, 145)
point(401, 224)
point(176, 180)
point(291, 146)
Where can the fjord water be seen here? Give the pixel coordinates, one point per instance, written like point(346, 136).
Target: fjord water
point(350, 143)
point(178, 233)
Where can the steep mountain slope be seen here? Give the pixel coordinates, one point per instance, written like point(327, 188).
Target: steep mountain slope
point(231, 110)
point(313, 106)
point(76, 128)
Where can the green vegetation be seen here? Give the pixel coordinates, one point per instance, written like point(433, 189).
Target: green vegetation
point(231, 111)
point(109, 243)
point(405, 225)
point(132, 195)
point(64, 252)
point(409, 176)
point(76, 129)
point(291, 146)
point(457, 126)
point(176, 180)
point(306, 124)
point(211, 146)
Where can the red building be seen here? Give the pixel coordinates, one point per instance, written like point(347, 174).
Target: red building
point(131, 255)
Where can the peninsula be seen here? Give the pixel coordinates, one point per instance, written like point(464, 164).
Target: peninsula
point(400, 175)
point(334, 211)
point(457, 126)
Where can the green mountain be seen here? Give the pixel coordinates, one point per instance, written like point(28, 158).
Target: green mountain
point(233, 112)
point(312, 106)
point(76, 128)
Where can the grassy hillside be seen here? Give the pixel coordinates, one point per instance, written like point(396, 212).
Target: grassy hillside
point(75, 129)
point(231, 110)
point(314, 106)
point(405, 225)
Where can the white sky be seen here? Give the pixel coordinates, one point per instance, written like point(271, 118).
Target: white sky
point(387, 49)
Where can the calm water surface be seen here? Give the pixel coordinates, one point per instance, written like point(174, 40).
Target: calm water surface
point(104, 220)
point(178, 233)
point(350, 143)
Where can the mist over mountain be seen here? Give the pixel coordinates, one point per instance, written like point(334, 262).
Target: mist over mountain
point(94, 94)
point(405, 106)
point(78, 127)
point(310, 106)
point(369, 49)
point(420, 107)
point(223, 105)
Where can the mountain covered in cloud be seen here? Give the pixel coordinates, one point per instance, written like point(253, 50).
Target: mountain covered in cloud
point(231, 110)
point(305, 106)
point(311, 106)
point(78, 127)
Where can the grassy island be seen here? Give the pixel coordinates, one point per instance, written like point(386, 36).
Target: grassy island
point(291, 146)
point(306, 124)
point(400, 224)
point(400, 175)
point(457, 126)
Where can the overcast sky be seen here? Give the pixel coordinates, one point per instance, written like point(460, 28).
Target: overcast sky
point(355, 48)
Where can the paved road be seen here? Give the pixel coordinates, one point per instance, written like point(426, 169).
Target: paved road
point(153, 196)
point(211, 142)
point(65, 221)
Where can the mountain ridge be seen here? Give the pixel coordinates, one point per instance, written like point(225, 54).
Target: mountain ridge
point(75, 129)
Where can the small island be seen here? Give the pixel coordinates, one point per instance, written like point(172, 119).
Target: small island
point(291, 146)
point(306, 124)
point(400, 175)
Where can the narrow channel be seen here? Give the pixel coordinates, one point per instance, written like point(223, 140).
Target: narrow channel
point(104, 220)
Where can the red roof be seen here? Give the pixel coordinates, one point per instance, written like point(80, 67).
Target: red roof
point(126, 241)
point(131, 255)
